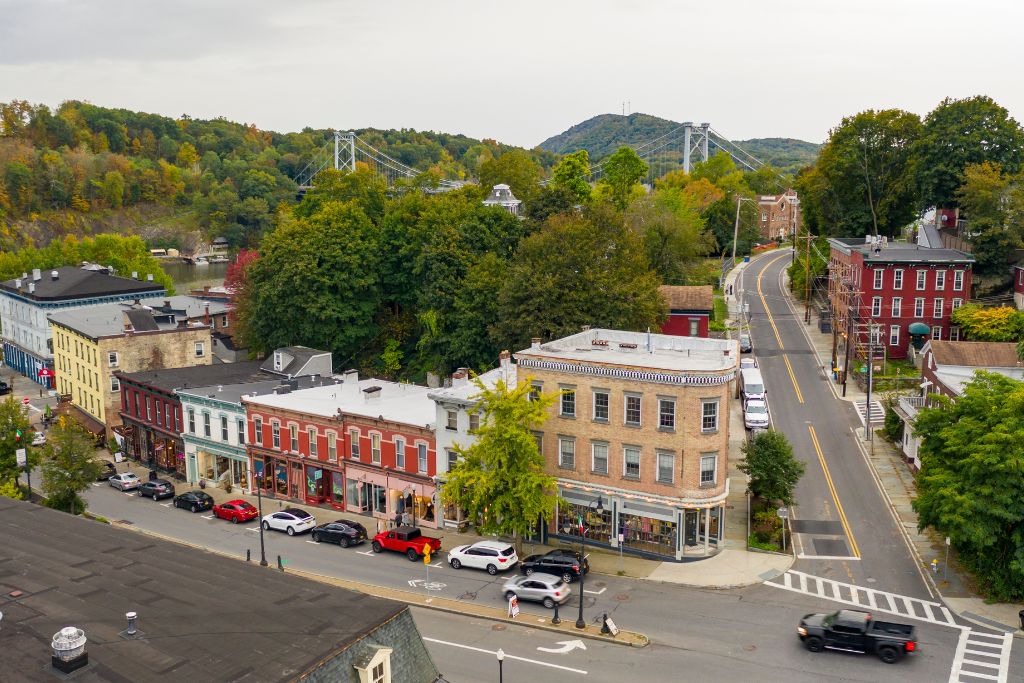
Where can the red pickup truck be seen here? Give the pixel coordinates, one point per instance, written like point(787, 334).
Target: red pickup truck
point(405, 539)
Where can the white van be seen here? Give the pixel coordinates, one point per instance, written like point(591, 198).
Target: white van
point(751, 384)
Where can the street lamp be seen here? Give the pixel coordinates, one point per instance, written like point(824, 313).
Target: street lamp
point(258, 478)
point(736, 228)
point(599, 506)
point(501, 660)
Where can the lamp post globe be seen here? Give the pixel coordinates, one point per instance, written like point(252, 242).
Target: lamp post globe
point(501, 660)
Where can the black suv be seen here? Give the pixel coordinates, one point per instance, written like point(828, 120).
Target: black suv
point(564, 563)
point(5, 388)
point(156, 489)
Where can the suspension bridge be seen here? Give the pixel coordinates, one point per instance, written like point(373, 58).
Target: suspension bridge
point(679, 148)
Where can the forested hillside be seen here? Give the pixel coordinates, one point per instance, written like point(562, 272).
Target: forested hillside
point(83, 169)
point(603, 134)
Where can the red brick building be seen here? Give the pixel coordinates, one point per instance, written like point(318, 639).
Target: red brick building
point(891, 287)
point(779, 215)
point(689, 310)
point(1018, 287)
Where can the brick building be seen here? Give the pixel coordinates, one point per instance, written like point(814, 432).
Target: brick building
point(689, 310)
point(886, 292)
point(779, 216)
point(641, 426)
point(1018, 287)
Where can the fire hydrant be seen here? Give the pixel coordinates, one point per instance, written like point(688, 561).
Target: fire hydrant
point(935, 566)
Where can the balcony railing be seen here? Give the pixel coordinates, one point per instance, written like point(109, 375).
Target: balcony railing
point(912, 404)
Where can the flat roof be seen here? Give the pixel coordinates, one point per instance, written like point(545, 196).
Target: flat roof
point(170, 379)
point(233, 393)
point(107, 320)
point(396, 402)
point(900, 252)
point(465, 393)
point(77, 282)
point(640, 349)
point(204, 617)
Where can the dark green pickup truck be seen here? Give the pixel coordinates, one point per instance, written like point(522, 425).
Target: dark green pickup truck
point(854, 631)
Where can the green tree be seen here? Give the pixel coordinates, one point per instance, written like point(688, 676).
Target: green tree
point(500, 481)
point(187, 155)
point(14, 434)
point(962, 132)
point(774, 472)
point(622, 171)
point(573, 174)
point(472, 339)
point(113, 189)
point(971, 483)
point(994, 205)
point(603, 281)
point(992, 323)
point(69, 466)
point(672, 231)
point(517, 169)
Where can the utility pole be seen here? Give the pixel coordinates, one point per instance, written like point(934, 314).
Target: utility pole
point(736, 229)
point(871, 365)
point(807, 280)
point(855, 296)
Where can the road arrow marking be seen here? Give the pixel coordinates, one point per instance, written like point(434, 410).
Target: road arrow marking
point(596, 592)
point(567, 647)
point(370, 553)
point(252, 528)
point(431, 586)
point(208, 517)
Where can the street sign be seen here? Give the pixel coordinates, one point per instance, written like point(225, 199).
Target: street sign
point(21, 457)
point(611, 626)
point(783, 513)
point(513, 607)
point(25, 400)
point(947, 537)
point(45, 372)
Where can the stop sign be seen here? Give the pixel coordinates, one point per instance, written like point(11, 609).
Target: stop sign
point(25, 400)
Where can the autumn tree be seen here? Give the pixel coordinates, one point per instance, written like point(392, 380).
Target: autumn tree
point(992, 324)
point(672, 231)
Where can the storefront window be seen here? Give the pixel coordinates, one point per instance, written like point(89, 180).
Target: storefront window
point(380, 499)
point(647, 534)
point(337, 488)
point(597, 524)
point(355, 501)
point(281, 477)
point(296, 479)
point(715, 514)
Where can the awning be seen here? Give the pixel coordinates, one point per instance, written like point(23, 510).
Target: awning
point(919, 328)
point(91, 424)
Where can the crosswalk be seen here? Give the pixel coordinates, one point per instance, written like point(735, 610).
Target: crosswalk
point(865, 598)
point(981, 657)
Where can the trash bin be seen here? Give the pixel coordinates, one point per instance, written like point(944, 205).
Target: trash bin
point(152, 475)
point(746, 259)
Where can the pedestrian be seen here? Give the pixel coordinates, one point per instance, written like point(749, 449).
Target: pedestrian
point(398, 519)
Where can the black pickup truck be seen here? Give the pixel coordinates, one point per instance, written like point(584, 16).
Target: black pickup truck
point(854, 631)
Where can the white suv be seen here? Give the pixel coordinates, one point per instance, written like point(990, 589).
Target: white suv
point(493, 556)
point(755, 414)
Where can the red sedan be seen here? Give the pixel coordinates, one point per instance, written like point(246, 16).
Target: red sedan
point(236, 511)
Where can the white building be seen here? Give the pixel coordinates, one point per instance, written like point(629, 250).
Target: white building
point(501, 195)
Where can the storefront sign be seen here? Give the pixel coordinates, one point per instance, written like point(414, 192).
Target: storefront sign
point(21, 457)
point(513, 607)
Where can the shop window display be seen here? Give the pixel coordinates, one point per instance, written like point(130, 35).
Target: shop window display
point(597, 523)
point(647, 534)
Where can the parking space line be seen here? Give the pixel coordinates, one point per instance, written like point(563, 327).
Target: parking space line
point(252, 528)
point(167, 505)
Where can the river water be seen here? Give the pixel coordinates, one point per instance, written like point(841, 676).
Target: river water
point(188, 277)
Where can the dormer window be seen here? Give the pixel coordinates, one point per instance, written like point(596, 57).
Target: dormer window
point(375, 666)
point(278, 361)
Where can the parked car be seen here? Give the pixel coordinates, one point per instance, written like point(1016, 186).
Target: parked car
point(156, 489)
point(125, 481)
point(5, 388)
point(39, 439)
point(236, 511)
point(194, 501)
point(544, 588)
point(290, 520)
point(855, 631)
point(107, 470)
point(493, 556)
point(747, 363)
point(745, 345)
point(344, 532)
point(564, 563)
point(755, 414)
point(405, 539)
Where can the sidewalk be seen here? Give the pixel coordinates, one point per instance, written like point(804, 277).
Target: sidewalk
point(896, 480)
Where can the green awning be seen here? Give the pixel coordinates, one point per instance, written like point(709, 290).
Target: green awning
point(919, 328)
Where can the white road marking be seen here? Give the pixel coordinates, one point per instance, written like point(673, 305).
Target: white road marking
point(492, 653)
point(167, 505)
point(802, 556)
point(567, 647)
point(967, 656)
point(596, 592)
point(252, 528)
point(366, 552)
point(209, 517)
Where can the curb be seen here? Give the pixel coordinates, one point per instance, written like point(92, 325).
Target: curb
point(625, 638)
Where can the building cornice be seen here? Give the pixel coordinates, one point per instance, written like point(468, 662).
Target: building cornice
point(576, 368)
point(647, 497)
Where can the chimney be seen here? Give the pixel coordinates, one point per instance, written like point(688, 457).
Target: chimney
point(135, 275)
point(459, 378)
point(350, 384)
point(505, 358)
point(167, 305)
point(54, 275)
point(149, 277)
point(31, 287)
point(131, 616)
point(535, 343)
point(372, 394)
point(206, 316)
point(37, 274)
point(24, 276)
point(585, 328)
point(17, 284)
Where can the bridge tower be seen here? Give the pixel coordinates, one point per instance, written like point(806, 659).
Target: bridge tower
point(344, 151)
point(695, 141)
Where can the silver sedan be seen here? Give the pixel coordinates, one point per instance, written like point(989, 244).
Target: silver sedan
point(543, 588)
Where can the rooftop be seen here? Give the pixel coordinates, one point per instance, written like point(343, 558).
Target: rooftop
point(899, 252)
point(683, 298)
point(233, 393)
point(196, 611)
point(170, 379)
point(292, 359)
point(976, 354)
point(640, 349)
point(107, 320)
point(501, 194)
point(465, 391)
point(956, 377)
point(393, 401)
point(78, 282)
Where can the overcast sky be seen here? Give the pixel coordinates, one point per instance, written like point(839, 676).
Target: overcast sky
point(518, 71)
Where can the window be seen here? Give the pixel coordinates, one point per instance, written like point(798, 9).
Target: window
point(666, 467)
point(957, 303)
point(474, 421)
point(332, 446)
point(191, 419)
point(293, 438)
point(224, 428)
point(897, 306)
point(599, 457)
point(897, 279)
point(879, 274)
point(115, 385)
point(421, 456)
point(709, 416)
point(631, 462)
point(666, 413)
point(378, 675)
point(159, 413)
point(567, 453)
point(206, 425)
point(177, 418)
point(600, 406)
point(876, 306)
point(149, 409)
point(453, 420)
point(200, 349)
point(568, 403)
point(937, 308)
point(937, 332)
point(240, 431)
point(453, 458)
point(958, 280)
point(112, 359)
point(919, 308)
point(954, 333)
point(633, 410)
point(257, 428)
point(894, 335)
point(353, 437)
point(940, 280)
point(875, 334)
point(534, 392)
point(922, 277)
point(135, 394)
point(694, 327)
point(400, 453)
point(375, 448)
point(311, 435)
point(223, 321)
point(764, 216)
point(708, 463)
point(275, 432)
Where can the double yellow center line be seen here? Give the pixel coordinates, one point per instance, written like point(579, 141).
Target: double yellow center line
point(855, 551)
point(778, 337)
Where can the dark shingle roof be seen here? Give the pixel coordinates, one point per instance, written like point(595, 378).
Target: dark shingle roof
point(170, 379)
point(196, 609)
point(692, 298)
point(75, 282)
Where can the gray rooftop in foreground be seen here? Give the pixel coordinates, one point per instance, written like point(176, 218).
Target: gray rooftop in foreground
point(107, 320)
point(233, 393)
point(204, 617)
point(901, 252)
point(667, 352)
